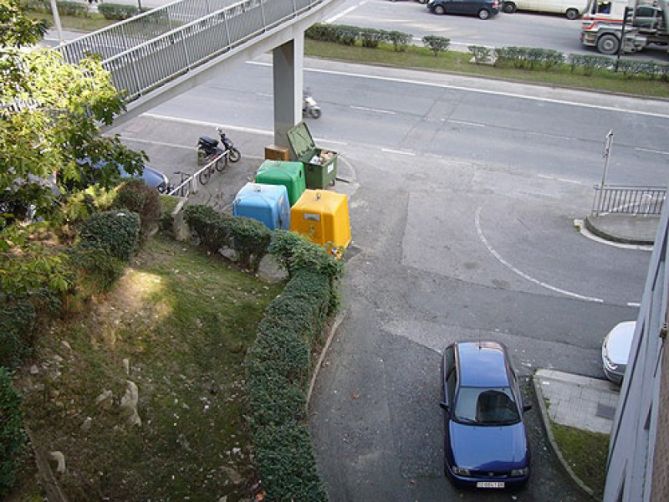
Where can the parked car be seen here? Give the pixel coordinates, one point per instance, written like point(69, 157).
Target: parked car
point(485, 442)
point(481, 8)
point(616, 350)
point(152, 177)
point(572, 9)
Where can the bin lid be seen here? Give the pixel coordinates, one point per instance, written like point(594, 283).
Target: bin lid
point(301, 141)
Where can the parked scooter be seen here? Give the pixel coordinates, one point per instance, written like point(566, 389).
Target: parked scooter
point(309, 106)
point(208, 148)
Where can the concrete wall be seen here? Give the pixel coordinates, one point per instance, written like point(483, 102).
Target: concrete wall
point(639, 453)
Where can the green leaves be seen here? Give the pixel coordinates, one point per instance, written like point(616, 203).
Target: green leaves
point(12, 437)
point(17, 30)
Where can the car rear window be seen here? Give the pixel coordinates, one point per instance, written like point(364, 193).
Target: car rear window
point(486, 406)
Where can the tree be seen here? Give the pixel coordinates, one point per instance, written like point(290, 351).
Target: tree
point(50, 116)
point(436, 44)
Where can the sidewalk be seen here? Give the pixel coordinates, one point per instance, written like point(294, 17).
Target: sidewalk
point(624, 228)
point(583, 403)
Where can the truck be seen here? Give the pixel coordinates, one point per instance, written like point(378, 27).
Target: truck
point(640, 22)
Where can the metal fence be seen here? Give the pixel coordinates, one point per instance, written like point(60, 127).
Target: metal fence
point(148, 50)
point(634, 200)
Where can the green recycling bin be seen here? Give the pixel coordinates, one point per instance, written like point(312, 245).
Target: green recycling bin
point(288, 174)
point(320, 166)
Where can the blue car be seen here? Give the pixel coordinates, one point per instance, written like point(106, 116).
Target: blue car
point(486, 442)
point(151, 177)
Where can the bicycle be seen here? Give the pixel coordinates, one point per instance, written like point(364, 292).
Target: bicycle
point(217, 162)
point(182, 187)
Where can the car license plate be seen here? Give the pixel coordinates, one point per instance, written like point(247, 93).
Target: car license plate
point(490, 484)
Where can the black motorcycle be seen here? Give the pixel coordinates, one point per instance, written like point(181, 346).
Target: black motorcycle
point(208, 149)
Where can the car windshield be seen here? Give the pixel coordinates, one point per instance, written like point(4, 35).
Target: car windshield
point(486, 406)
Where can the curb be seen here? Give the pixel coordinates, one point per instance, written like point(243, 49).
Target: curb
point(332, 330)
point(545, 420)
point(614, 238)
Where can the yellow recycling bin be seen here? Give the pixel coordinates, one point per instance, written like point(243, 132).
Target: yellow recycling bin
point(322, 217)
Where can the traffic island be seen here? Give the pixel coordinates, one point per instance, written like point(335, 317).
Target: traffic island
point(577, 414)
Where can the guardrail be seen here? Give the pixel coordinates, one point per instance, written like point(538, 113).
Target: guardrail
point(633, 200)
point(191, 184)
point(138, 65)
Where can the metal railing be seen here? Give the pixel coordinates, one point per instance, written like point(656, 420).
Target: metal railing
point(144, 52)
point(191, 184)
point(633, 200)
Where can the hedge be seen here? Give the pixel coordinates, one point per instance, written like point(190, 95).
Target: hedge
point(65, 8)
point(115, 231)
point(248, 237)
point(436, 44)
point(350, 35)
point(17, 323)
point(138, 197)
point(278, 367)
point(528, 57)
point(116, 11)
point(12, 437)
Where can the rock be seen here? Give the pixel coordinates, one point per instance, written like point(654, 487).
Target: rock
point(229, 253)
point(236, 451)
point(58, 457)
point(232, 475)
point(66, 344)
point(104, 400)
point(86, 426)
point(271, 270)
point(126, 366)
point(34, 370)
point(129, 402)
point(223, 499)
point(57, 358)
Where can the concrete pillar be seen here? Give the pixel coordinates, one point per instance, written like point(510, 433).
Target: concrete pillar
point(287, 59)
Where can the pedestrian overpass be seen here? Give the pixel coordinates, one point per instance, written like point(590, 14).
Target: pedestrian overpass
point(161, 53)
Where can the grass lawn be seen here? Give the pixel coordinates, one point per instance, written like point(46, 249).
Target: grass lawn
point(184, 320)
point(95, 22)
point(458, 62)
point(586, 454)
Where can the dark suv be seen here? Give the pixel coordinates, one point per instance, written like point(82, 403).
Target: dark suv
point(481, 8)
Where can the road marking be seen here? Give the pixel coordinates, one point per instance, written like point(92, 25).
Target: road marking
point(564, 180)
point(477, 222)
point(399, 152)
point(364, 108)
point(159, 143)
point(633, 304)
point(230, 127)
point(480, 91)
point(344, 12)
point(650, 150)
point(464, 122)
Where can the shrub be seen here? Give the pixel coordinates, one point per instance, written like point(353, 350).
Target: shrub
point(371, 37)
point(75, 9)
point(116, 232)
point(248, 237)
point(17, 325)
point(399, 40)
point(117, 12)
point(136, 196)
point(436, 44)
point(12, 437)
point(590, 62)
point(295, 252)
point(481, 54)
point(322, 32)
point(347, 35)
point(167, 205)
point(286, 463)
point(98, 269)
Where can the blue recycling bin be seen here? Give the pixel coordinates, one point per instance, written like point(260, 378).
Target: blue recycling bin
point(266, 203)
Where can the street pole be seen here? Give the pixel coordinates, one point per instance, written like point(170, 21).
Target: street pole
point(608, 143)
point(621, 46)
point(56, 20)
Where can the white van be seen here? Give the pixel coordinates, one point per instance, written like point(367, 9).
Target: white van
point(570, 8)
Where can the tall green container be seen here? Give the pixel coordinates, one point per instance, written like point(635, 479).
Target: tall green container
point(320, 165)
point(288, 174)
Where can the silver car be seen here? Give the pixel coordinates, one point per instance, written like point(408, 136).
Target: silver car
point(616, 350)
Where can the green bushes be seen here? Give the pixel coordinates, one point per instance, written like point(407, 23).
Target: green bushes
point(12, 437)
point(528, 58)
point(480, 54)
point(278, 368)
point(17, 323)
point(436, 44)
point(248, 237)
point(138, 197)
point(116, 11)
point(115, 232)
point(65, 8)
point(350, 35)
point(400, 40)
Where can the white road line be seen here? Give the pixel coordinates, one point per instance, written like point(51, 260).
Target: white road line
point(564, 180)
point(205, 123)
point(399, 152)
point(633, 304)
point(364, 108)
point(464, 122)
point(477, 222)
point(344, 12)
point(480, 91)
point(650, 150)
point(160, 143)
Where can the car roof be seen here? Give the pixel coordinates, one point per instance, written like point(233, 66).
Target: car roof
point(482, 364)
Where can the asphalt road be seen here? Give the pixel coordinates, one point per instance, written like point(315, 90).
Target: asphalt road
point(462, 227)
point(521, 29)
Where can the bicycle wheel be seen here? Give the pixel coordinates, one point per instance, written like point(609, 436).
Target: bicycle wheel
point(221, 163)
point(204, 176)
point(234, 155)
